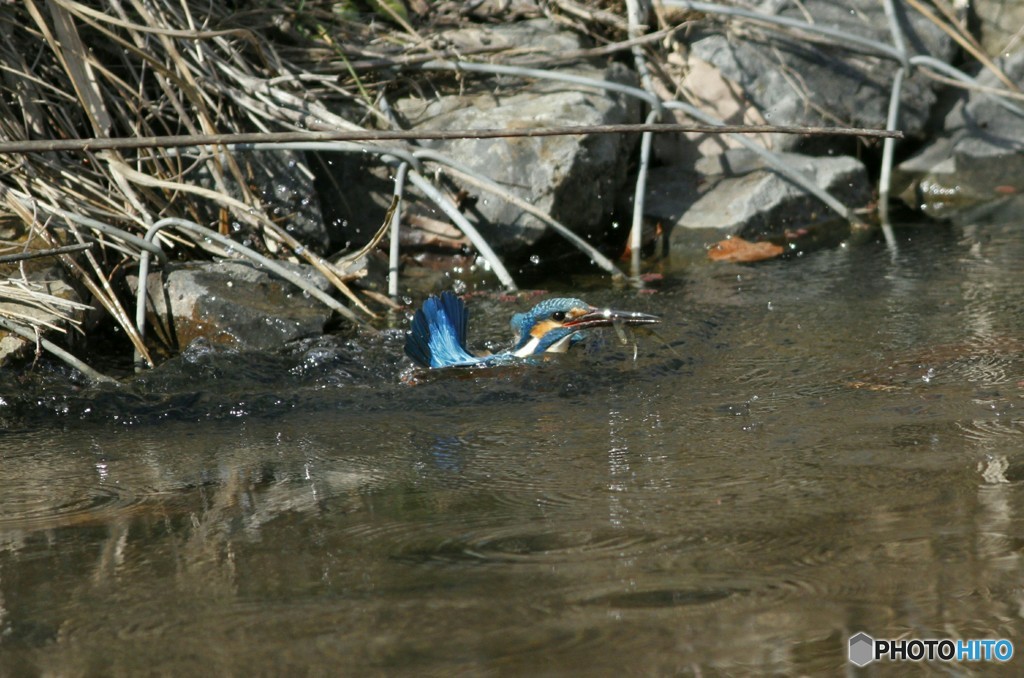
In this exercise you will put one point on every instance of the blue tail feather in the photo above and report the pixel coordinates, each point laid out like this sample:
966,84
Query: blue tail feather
417,341
437,336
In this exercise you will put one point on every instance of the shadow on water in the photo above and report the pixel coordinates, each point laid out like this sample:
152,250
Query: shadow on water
826,445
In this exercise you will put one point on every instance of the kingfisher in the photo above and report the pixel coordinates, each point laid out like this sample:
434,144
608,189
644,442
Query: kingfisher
437,336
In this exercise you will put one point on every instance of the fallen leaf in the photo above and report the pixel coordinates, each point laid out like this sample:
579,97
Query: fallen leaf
738,250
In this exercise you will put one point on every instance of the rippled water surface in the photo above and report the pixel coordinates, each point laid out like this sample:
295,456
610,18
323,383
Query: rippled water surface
820,446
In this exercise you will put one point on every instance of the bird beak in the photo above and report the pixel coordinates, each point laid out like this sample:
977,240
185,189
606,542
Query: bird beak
606,317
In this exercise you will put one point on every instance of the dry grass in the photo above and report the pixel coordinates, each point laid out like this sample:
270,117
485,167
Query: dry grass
133,69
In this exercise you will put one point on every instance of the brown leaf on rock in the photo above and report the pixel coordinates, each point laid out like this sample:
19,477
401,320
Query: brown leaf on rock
738,250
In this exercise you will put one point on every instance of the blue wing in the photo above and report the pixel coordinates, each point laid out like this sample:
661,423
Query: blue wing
437,336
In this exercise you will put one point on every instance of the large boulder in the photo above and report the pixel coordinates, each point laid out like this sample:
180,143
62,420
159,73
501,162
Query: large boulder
574,178
795,80
978,158
736,194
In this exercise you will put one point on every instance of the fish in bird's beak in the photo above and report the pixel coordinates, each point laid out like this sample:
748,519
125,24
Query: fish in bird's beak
606,317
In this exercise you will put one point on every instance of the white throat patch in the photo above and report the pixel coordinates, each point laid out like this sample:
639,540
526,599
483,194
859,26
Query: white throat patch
560,346
527,349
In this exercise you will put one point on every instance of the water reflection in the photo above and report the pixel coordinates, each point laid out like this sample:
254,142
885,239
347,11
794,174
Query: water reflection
837,449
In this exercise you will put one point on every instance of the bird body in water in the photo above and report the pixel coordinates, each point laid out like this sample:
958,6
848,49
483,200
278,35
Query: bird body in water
437,336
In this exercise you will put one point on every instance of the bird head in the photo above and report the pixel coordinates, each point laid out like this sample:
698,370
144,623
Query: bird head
553,325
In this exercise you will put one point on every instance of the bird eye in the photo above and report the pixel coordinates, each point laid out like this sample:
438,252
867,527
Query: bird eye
558,315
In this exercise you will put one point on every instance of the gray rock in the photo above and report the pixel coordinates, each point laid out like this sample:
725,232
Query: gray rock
233,304
487,10
794,81
735,194
979,157
575,179
999,23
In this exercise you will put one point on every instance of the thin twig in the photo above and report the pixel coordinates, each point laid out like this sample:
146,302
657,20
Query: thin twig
639,196
39,254
636,18
885,178
179,141
896,31
396,223
892,119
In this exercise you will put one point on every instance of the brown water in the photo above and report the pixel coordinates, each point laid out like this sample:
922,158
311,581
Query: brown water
827,445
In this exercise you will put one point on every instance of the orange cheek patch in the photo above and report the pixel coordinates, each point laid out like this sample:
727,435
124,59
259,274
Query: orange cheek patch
542,328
